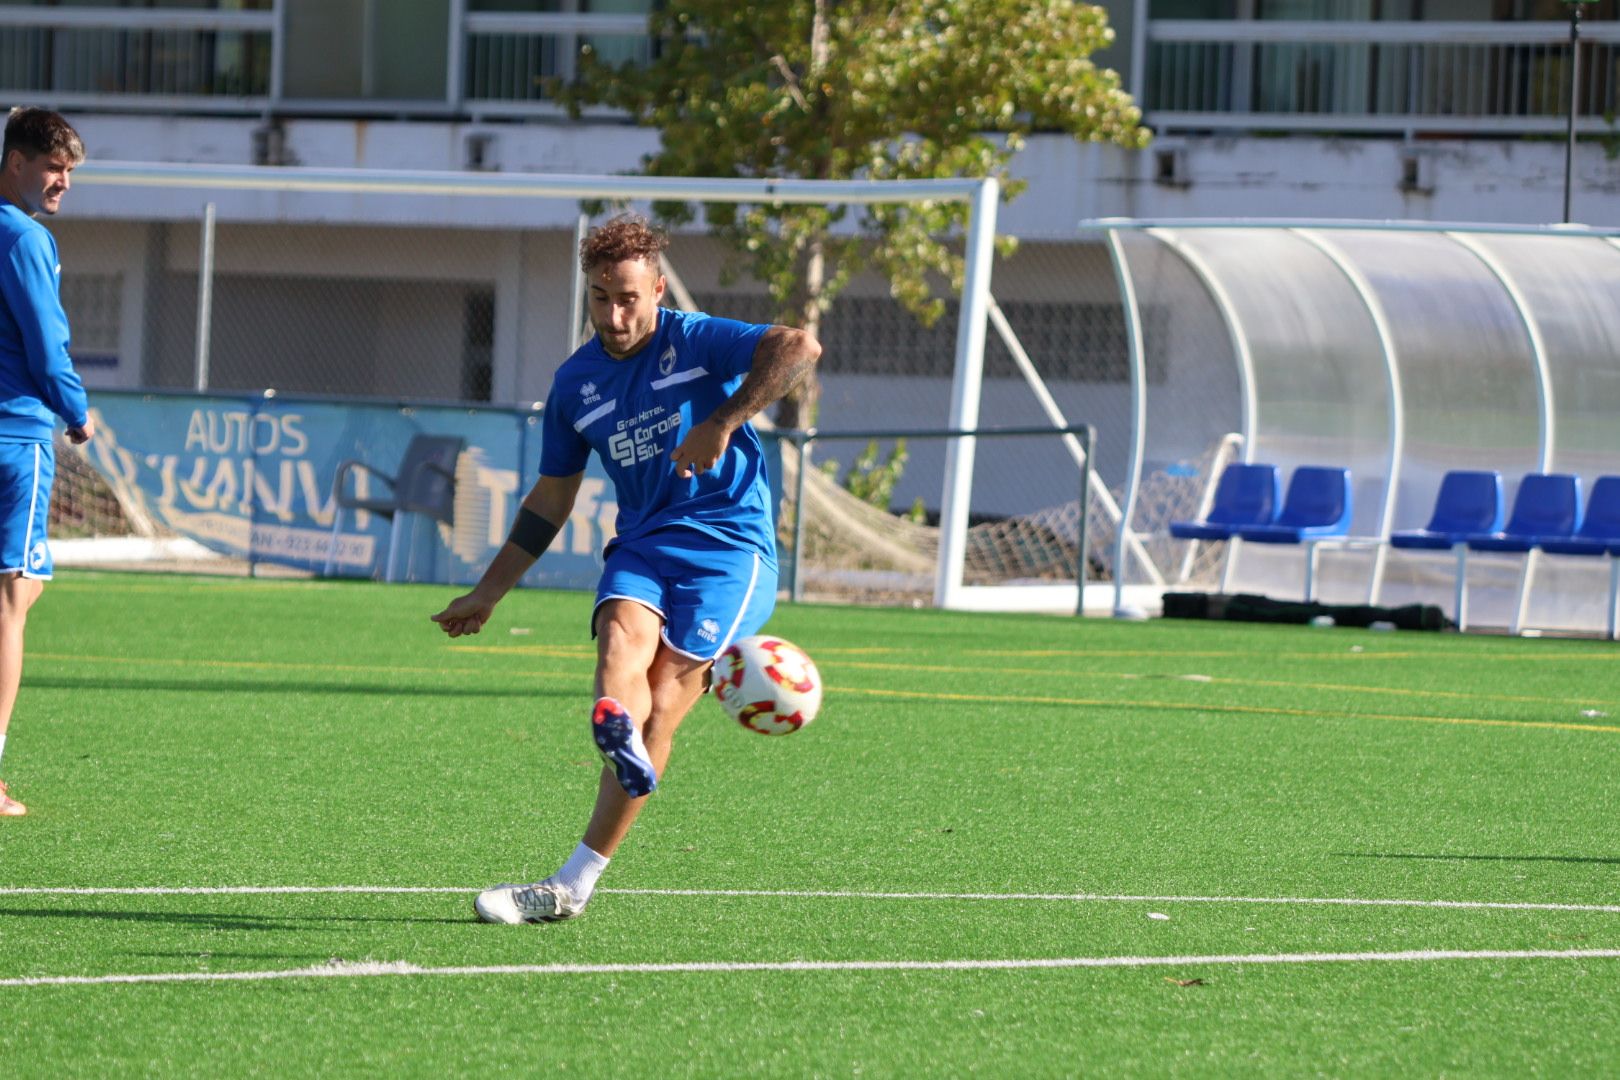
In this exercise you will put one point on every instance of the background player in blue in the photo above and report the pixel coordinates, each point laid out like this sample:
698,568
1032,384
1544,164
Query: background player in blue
663,397
37,380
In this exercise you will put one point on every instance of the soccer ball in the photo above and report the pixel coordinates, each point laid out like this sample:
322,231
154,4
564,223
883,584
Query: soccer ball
767,685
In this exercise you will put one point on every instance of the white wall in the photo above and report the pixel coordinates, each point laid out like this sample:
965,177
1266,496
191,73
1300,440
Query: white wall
1220,176
522,249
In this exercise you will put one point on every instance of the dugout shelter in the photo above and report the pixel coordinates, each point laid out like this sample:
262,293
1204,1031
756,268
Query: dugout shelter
1399,351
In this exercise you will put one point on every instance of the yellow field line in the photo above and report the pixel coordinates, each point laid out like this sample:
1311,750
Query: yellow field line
585,652
1221,681
1257,710
1606,656
102,588
1404,692
563,652
589,651
279,665
928,695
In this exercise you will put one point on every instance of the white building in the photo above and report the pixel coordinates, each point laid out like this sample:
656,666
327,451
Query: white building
1439,110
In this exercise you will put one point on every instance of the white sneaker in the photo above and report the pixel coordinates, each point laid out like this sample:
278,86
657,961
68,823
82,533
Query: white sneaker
545,901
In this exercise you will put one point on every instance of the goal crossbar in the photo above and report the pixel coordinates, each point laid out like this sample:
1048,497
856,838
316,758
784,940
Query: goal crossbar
523,185
981,195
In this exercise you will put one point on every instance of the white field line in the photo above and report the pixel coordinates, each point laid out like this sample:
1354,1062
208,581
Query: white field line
371,969
1121,898
229,890
823,894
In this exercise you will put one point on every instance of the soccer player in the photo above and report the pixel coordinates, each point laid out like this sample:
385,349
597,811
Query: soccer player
664,399
37,380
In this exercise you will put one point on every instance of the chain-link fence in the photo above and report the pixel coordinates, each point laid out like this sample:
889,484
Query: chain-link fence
476,314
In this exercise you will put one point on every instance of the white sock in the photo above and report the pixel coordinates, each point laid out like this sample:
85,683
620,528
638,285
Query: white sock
580,872
2,744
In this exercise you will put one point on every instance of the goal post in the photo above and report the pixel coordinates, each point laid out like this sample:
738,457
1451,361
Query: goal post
235,200
966,384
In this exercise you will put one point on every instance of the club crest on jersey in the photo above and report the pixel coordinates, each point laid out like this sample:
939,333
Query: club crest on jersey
666,362
588,394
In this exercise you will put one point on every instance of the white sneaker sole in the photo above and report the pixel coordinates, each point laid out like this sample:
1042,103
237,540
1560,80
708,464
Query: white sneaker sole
497,906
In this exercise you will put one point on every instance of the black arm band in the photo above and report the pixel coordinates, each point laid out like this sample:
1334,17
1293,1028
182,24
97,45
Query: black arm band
531,532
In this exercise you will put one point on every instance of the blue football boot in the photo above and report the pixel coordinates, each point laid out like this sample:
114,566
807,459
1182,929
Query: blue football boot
620,745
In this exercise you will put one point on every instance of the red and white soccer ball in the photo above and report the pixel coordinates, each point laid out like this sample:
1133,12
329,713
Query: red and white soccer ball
767,685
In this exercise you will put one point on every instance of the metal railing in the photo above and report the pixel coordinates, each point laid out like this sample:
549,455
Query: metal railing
508,59
802,438
146,58
1371,76
166,59
1328,76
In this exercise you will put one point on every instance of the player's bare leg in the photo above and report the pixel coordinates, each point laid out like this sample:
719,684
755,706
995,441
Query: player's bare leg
627,641
626,645
656,687
675,682
17,595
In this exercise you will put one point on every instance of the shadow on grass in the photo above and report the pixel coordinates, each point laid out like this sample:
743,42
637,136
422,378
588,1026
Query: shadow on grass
209,954
268,686
1600,860
219,920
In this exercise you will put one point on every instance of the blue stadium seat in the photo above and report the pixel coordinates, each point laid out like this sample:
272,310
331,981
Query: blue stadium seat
1246,495
1317,507
1599,534
1547,508
1469,503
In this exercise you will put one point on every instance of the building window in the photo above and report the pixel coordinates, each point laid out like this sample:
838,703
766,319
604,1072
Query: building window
94,306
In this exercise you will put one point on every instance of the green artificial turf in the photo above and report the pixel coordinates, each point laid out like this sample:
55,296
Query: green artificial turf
991,789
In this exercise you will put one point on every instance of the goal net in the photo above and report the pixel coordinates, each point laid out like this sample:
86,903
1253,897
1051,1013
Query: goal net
399,291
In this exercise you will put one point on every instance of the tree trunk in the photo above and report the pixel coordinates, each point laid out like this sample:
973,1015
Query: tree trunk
798,409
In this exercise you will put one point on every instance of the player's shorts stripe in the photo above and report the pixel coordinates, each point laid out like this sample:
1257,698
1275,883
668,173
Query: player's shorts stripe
595,414
679,377
33,496
33,520
742,608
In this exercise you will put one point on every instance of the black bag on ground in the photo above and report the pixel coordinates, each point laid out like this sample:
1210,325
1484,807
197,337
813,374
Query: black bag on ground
1252,607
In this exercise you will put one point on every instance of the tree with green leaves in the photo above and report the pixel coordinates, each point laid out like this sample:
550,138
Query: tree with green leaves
858,89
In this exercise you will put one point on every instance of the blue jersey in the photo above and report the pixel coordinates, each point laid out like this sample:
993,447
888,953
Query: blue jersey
634,412
37,380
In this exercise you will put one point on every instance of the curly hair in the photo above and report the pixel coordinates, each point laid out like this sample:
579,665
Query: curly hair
33,132
628,236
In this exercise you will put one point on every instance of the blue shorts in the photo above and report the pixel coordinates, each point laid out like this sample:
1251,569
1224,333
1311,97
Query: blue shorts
707,592
26,472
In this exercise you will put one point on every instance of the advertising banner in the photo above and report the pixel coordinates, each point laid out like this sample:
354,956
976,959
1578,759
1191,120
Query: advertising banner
252,477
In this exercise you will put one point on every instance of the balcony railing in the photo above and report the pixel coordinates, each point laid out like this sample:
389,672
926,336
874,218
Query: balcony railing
121,58
1353,76
1344,76
509,58
231,61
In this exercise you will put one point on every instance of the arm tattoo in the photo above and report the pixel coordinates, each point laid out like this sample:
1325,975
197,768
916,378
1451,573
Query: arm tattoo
778,368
